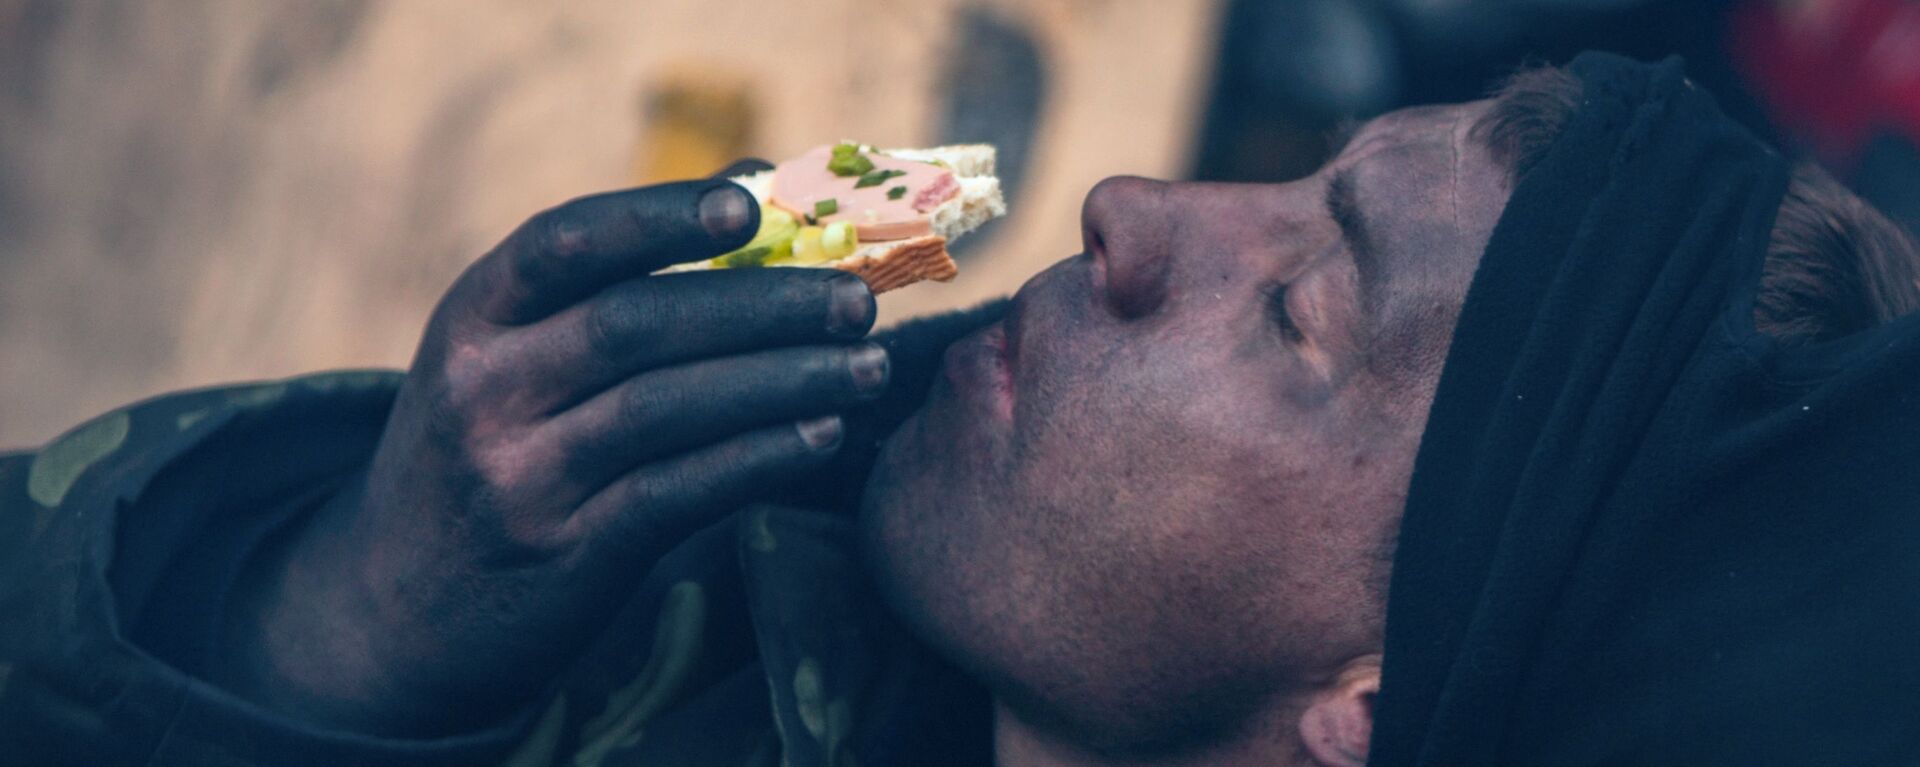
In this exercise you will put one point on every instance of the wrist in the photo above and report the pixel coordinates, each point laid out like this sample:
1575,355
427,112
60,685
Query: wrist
299,634
346,621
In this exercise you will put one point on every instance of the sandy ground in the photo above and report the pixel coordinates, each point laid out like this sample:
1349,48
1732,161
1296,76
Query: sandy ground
215,190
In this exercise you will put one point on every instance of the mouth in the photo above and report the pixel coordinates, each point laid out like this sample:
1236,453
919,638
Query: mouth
978,368
1009,340
983,368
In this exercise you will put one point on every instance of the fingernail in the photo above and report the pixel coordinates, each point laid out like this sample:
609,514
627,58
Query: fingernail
869,367
821,434
851,312
727,211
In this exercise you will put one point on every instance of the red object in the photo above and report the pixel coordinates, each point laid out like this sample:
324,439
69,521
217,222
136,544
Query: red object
1837,72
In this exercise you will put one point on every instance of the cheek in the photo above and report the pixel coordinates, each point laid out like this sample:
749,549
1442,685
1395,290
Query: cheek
1185,439
1219,510
1169,421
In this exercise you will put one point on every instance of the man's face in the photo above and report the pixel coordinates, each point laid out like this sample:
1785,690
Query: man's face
1165,487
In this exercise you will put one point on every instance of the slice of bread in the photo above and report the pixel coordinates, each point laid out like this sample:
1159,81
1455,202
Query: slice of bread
890,264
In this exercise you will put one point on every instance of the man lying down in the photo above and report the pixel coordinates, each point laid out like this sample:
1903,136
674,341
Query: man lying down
1572,426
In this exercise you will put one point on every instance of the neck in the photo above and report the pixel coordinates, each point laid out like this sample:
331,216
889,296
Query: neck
1271,740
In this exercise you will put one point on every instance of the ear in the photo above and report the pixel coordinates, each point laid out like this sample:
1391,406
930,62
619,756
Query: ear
1338,724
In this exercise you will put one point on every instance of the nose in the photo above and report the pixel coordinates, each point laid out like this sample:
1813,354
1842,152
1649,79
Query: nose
1126,227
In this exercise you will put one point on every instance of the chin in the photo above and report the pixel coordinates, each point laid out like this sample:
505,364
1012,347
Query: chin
955,553
935,488
901,520
929,552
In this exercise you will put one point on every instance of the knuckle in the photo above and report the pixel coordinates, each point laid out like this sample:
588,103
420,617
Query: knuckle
503,466
468,378
647,506
562,231
478,392
610,326
827,369
742,463
783,300
555,238
512,487
806,290
641,408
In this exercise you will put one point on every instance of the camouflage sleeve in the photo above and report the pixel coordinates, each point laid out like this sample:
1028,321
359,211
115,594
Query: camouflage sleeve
95,523
759,643
756,642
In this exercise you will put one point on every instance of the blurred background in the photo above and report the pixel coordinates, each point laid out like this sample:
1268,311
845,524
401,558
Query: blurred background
205,191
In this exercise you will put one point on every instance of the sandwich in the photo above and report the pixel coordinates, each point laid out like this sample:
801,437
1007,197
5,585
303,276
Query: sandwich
885,215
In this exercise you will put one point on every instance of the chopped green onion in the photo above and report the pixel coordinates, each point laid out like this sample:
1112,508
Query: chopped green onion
896,193
848,161
745,257
825,208
782,251
839,239
877,178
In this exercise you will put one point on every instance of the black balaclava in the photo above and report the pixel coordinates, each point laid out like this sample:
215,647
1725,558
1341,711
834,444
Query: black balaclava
1639,532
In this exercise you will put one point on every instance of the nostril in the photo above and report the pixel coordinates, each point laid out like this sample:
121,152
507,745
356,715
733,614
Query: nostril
1121,229
1096,249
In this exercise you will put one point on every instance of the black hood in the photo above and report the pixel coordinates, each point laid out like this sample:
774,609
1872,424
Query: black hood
1639,531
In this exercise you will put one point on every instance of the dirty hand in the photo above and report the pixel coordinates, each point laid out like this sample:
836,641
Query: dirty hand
567,420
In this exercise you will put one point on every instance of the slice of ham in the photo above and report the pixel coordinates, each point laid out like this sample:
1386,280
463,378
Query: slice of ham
802,182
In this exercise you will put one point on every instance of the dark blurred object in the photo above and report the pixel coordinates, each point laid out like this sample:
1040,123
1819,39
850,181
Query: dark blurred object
1836,72
995,84
1836,79
1842,78
1290,71
1480,27
1888,176
1325,59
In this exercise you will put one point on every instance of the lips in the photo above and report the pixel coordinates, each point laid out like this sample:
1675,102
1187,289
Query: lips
982,368
976,368
1001,338
1010,339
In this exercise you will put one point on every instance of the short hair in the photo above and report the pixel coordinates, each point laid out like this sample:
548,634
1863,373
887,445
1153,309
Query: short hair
1834,265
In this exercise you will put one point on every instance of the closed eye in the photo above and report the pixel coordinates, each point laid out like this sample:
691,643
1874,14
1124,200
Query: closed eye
1281,318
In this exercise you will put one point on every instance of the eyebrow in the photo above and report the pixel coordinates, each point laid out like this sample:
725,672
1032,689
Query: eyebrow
1343,206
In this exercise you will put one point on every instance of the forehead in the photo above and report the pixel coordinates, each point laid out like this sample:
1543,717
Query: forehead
1430,127
1428,188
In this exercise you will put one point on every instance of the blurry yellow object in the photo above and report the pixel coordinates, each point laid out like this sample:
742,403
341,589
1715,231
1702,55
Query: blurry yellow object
694,121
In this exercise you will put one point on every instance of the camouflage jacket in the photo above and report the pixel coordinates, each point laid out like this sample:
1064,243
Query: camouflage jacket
757,642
